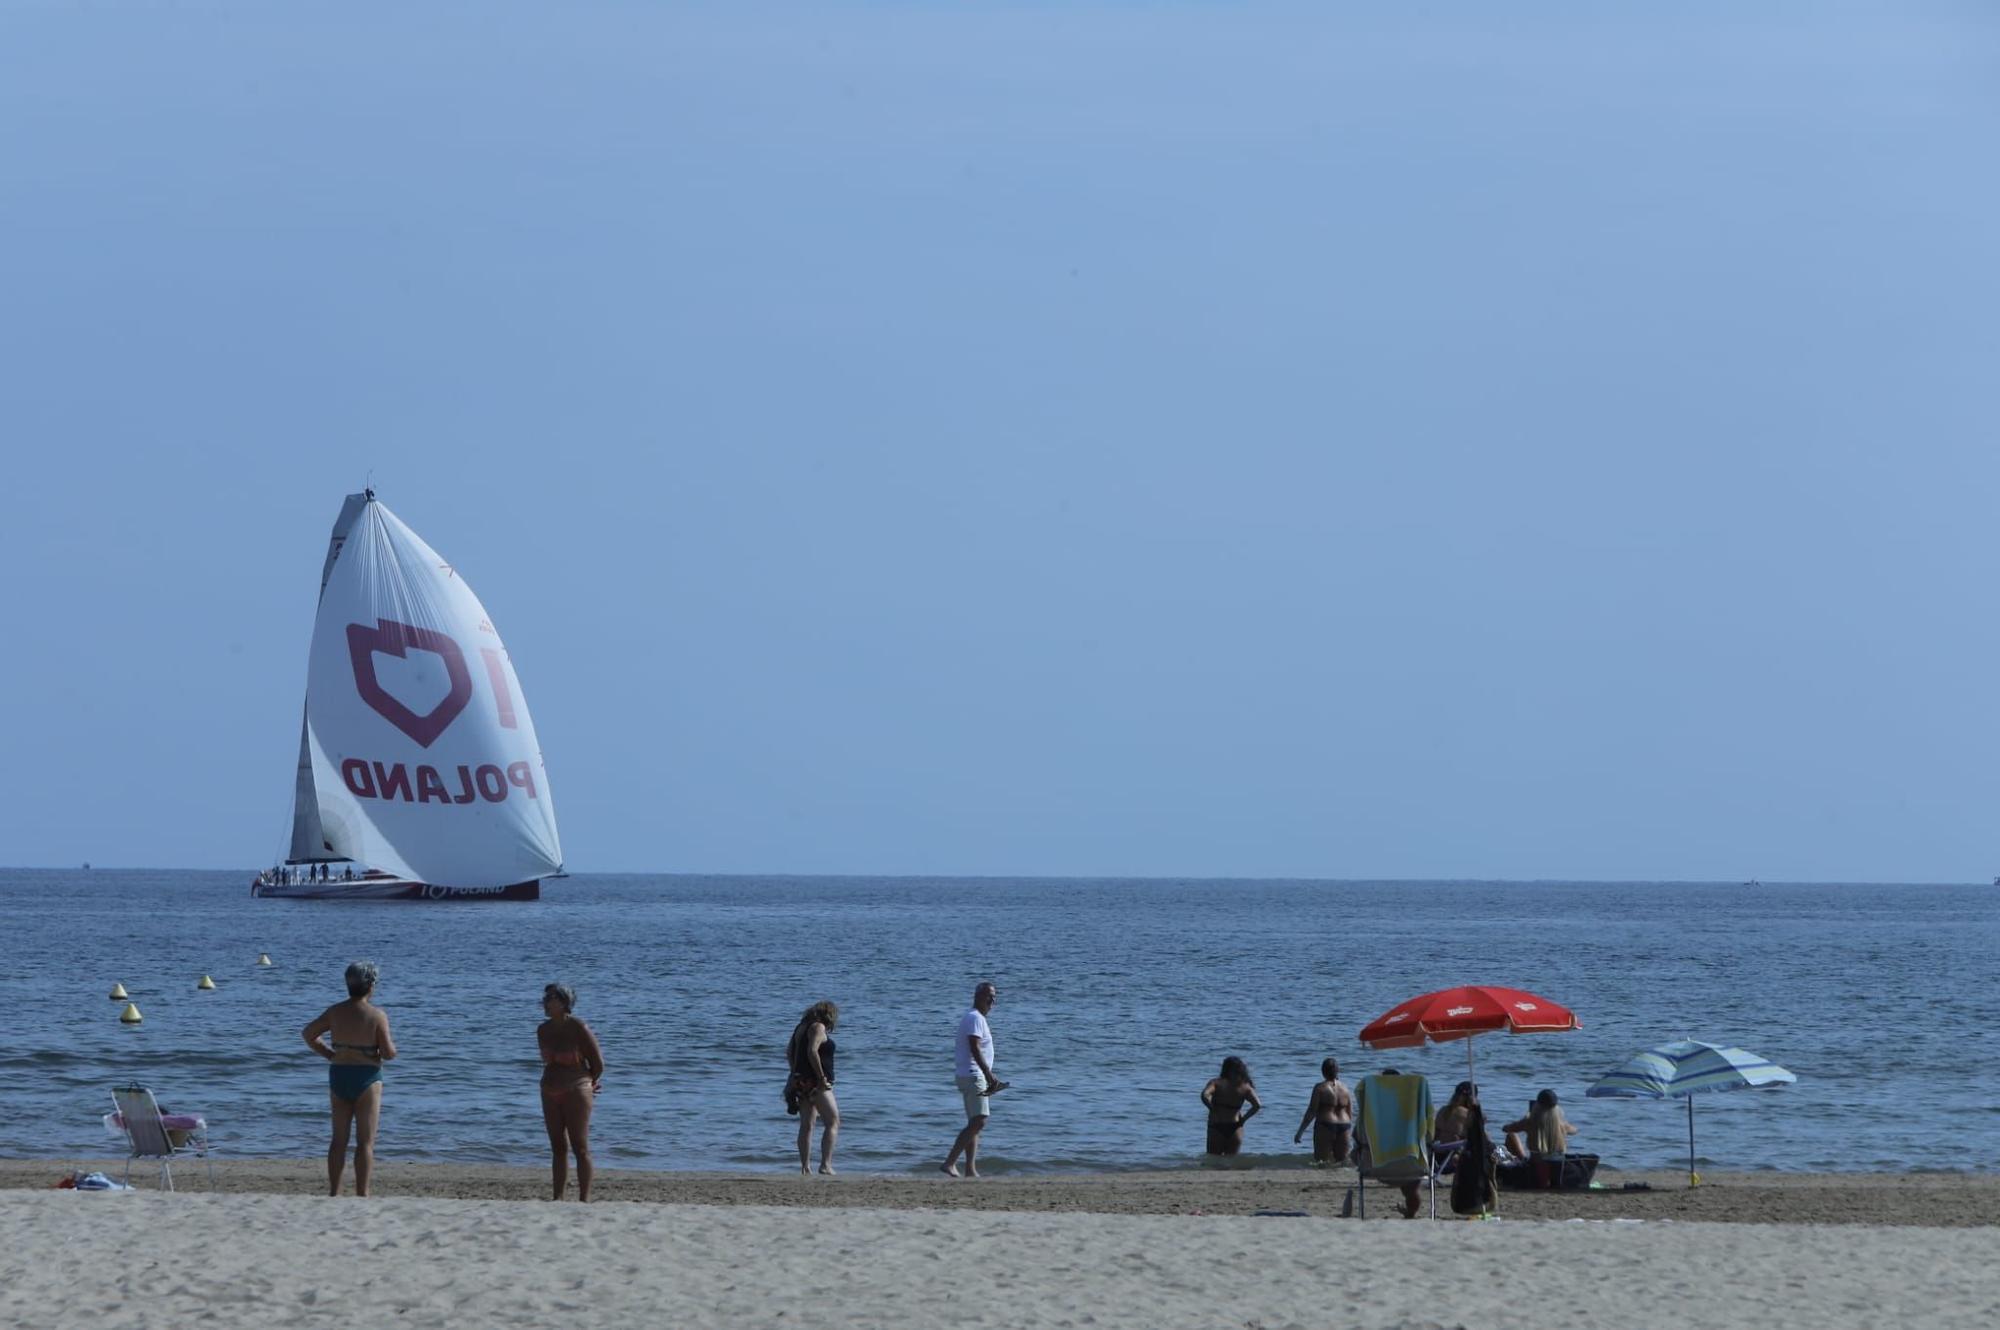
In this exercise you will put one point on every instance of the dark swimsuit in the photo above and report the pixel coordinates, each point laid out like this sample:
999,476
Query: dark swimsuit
348,1081
1329,1138
1225,1138
801,1086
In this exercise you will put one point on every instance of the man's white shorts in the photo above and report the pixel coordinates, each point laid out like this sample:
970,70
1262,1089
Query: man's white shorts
973,1089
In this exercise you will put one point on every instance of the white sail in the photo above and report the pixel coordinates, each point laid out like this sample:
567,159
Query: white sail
424,758
308,839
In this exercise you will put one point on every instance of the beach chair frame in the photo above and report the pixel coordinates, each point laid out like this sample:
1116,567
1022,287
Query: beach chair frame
146,1136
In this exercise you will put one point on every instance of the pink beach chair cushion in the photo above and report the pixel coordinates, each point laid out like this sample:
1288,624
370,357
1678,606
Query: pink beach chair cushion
115,1122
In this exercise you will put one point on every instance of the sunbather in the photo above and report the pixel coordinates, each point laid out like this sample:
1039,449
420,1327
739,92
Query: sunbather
1546,1129
1452,1118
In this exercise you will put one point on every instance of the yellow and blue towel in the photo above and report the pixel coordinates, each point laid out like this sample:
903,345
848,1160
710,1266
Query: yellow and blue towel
1396,1122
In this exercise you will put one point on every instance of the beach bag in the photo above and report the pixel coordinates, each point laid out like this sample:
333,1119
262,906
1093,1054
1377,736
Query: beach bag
1472,1184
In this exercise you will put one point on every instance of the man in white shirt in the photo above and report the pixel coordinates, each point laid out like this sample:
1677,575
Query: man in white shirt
973,1050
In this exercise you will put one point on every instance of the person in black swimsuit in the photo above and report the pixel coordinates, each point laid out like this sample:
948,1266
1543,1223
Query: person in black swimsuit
572,1074
1330,1114
810,1053
1223,1096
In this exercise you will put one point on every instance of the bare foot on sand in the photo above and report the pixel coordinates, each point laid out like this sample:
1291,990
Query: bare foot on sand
828,1171
949,1170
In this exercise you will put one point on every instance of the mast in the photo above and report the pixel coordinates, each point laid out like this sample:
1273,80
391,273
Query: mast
308,837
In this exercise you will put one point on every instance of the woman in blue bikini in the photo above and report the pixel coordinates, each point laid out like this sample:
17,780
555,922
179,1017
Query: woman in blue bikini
361,1044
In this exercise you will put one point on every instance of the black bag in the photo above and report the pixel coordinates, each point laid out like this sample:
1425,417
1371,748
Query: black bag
1472,1181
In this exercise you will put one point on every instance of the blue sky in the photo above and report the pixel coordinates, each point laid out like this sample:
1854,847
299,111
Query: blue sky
1321,440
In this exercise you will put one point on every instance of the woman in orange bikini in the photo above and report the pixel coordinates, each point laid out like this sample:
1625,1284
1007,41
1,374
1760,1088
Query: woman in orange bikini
572,1070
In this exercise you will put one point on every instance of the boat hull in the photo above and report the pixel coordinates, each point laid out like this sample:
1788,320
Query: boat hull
390,889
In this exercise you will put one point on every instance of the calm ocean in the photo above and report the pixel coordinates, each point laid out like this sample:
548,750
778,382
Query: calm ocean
1118,999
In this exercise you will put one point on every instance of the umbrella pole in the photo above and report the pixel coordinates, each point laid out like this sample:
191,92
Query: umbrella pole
1691,1173
1468,1060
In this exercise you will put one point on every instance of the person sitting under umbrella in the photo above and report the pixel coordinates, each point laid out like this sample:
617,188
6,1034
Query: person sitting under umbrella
1547,1130
1451,1119
1448,1132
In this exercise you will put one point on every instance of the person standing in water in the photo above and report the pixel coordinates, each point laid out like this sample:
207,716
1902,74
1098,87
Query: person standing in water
572,1074
360,1045
972,1051
1223,1096
810,1053
1330,1114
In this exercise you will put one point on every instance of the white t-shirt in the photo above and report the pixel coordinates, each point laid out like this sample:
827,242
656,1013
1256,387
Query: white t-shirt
973,1025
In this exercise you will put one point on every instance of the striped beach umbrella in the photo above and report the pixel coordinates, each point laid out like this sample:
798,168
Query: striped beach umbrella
1683,1069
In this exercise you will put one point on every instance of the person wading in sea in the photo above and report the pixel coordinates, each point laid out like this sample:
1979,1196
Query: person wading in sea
1231,1089
1330,1114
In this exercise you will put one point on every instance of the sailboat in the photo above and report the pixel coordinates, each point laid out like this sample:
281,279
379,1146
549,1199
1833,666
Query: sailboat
419,775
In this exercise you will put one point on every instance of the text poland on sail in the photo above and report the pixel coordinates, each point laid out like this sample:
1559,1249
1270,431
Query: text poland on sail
424,756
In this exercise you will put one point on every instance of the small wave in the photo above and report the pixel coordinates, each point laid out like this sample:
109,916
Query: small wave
44,1058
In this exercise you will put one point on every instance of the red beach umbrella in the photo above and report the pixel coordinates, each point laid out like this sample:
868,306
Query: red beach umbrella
1465,1011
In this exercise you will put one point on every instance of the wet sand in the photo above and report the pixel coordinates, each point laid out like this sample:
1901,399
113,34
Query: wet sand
1926,1200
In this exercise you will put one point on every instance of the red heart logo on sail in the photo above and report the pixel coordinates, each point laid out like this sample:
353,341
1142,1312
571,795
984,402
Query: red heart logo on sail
394,639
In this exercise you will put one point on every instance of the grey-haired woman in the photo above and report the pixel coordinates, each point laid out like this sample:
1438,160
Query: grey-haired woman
572,1073
361,1044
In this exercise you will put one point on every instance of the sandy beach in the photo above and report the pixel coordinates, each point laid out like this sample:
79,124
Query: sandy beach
251,1259
452,1244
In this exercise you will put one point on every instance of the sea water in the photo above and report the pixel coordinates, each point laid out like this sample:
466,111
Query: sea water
1118,1000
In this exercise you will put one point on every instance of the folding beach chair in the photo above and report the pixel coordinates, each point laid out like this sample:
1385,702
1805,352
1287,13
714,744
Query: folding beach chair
1393,1134
149,1134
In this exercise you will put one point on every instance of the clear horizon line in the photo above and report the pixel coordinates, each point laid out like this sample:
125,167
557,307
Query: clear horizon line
1106,877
